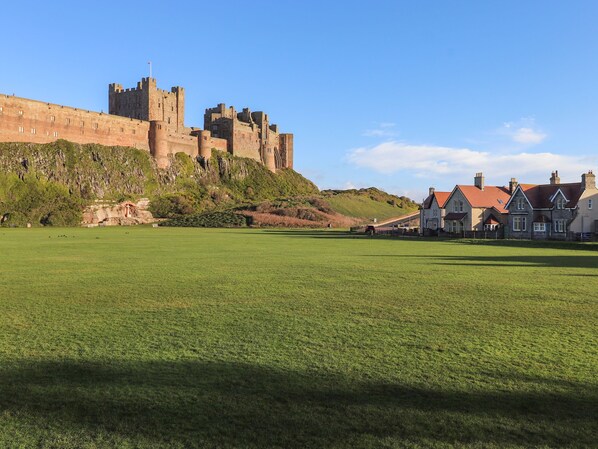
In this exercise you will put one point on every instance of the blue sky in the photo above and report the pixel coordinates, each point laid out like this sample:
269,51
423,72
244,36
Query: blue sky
401,95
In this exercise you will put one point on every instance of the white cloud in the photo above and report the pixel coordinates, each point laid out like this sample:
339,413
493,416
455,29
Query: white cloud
528,136
431,161
384,129
524,131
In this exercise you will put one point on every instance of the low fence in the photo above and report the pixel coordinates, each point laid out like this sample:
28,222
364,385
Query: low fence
493,235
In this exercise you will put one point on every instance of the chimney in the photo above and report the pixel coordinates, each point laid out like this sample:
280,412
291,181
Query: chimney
513,185
431,191
588,181
554,179
478,181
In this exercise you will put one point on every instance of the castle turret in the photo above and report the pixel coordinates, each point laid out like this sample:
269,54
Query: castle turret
270,159
205,144
158,143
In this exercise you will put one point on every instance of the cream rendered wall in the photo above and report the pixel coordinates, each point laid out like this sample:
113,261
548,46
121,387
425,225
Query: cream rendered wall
586,218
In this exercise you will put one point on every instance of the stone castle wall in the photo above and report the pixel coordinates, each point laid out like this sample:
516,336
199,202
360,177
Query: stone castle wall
150,119
23,120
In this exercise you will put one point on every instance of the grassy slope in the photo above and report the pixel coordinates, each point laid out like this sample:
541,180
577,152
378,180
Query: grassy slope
259,339
368,203
92,172
364,207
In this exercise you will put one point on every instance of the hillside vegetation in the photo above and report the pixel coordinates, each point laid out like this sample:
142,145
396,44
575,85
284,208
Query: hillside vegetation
368,203
51,183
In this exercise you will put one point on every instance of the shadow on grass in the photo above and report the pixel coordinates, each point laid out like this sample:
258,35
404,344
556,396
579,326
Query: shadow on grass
197,404
505,261
337,233
523,261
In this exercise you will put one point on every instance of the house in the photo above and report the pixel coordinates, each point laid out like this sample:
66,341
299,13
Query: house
432,212
586,219
476,207
550,211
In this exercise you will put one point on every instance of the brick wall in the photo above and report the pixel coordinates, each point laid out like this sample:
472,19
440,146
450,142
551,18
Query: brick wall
23,120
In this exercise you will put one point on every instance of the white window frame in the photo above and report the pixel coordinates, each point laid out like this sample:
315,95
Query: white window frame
539,227
519,224
559,226
560,203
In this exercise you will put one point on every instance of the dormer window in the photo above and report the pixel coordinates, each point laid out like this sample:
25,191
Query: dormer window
560,202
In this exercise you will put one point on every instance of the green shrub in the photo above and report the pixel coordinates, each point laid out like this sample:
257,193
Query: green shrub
208,220
173,205
28,199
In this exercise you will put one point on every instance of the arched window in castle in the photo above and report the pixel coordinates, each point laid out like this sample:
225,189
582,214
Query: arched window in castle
95,126
21,113
52,118
33,131
21,129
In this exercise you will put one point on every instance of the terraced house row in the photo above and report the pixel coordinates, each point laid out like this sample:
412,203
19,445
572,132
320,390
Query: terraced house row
520,211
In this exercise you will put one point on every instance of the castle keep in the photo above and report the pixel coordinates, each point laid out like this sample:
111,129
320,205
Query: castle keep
150,119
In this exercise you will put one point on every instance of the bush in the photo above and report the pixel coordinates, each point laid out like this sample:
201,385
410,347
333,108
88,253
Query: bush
208,220
37,201
173,205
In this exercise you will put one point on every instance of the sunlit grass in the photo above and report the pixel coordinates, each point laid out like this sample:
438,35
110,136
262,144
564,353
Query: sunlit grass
147,338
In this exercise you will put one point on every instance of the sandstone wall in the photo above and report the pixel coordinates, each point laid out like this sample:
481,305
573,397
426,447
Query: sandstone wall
23,120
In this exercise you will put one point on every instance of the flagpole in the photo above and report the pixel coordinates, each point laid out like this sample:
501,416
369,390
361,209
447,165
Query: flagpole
150,67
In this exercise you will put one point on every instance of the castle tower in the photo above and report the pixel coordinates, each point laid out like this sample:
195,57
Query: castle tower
205,144
270,160
158,143
147,102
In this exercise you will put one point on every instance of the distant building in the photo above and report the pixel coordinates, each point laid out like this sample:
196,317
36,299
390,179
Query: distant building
476,207
554,210
432,212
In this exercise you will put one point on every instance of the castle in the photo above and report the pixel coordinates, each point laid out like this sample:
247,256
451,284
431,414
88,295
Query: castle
150,119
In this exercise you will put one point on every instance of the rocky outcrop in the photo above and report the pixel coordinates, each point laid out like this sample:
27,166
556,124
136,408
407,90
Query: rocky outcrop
121,214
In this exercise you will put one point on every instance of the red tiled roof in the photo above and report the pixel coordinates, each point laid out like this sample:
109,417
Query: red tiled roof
441,198
539,195
491,196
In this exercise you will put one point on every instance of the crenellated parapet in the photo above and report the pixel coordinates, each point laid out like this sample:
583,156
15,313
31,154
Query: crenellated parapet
151,119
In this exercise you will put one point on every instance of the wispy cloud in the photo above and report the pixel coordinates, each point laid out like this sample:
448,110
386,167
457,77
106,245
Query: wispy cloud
384,129
524,131
431,161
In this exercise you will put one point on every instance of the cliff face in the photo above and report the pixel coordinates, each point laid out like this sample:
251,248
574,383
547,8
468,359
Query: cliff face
74,175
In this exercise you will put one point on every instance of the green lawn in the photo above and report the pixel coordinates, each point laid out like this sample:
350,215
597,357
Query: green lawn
362,206
164,337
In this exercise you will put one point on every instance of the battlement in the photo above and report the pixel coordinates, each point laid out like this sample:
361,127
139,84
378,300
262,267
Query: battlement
249,134
152,119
